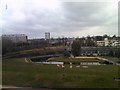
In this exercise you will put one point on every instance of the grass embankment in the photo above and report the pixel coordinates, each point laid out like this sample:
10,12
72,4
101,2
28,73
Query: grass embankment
63,59
36,52
114,59
19,73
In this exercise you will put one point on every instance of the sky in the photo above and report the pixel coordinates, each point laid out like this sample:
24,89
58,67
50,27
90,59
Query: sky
61,18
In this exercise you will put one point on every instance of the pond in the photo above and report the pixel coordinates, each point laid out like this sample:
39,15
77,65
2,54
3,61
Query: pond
80,63
50,62
43,60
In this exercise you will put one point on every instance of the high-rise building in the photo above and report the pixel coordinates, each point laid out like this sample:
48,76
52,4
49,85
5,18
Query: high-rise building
47,36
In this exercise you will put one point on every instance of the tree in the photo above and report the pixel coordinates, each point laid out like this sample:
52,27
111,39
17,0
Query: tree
76,48
66,53
99,38
7,45
111,53
117,53
114,36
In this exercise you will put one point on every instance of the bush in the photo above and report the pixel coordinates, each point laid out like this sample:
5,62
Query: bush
66,54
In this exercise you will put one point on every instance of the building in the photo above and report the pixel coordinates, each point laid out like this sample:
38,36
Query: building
16,38
115,43
108,42
47,36
97,51
100,43
105,42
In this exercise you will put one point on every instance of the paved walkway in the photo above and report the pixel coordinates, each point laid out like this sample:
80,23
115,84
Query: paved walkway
104,59
7,87
85,57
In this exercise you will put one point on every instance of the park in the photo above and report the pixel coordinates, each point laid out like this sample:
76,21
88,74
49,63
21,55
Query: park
19,73
25,68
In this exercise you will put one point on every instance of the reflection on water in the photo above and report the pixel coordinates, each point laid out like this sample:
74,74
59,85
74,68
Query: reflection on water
50,62
82,63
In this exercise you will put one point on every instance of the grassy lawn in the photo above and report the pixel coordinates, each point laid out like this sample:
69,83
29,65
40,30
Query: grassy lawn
19,73
115,59
63,59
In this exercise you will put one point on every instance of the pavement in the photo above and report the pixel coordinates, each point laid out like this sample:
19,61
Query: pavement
85,57
6,87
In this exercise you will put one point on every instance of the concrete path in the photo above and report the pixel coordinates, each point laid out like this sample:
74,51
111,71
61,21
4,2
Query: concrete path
104,59
7,87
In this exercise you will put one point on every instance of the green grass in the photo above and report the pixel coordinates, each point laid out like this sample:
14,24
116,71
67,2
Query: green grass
17,72
63,59
114,59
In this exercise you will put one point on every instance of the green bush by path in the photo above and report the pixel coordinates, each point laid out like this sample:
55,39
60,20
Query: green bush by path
19,73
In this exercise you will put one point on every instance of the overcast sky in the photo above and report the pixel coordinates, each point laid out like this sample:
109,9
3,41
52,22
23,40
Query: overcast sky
60,18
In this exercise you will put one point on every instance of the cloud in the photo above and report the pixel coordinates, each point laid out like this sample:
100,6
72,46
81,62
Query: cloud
69,19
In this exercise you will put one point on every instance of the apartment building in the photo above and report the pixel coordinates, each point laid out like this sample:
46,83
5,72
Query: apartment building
108,42
16,38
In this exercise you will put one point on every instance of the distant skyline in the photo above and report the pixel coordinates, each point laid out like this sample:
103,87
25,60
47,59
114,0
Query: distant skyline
60,18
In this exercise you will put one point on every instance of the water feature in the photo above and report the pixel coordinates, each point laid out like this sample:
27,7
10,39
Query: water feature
43,60
50,62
